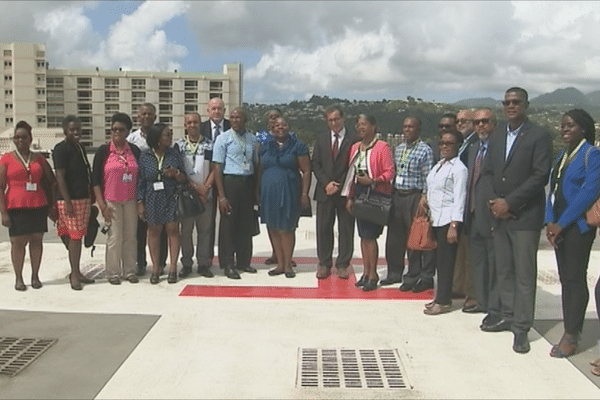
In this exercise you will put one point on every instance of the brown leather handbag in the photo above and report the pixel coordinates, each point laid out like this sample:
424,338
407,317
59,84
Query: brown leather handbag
420,237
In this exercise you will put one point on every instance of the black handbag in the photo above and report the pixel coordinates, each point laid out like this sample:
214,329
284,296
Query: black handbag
373,207
188,203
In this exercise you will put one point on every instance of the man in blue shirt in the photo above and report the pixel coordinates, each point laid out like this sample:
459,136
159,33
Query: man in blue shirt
235,155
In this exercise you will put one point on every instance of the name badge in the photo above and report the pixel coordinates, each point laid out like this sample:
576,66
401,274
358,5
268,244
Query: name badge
552,199
31,187
399,180
246,166
159,186
127,177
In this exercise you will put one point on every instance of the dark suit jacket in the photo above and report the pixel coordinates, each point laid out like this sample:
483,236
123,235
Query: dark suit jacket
206,131
464,156
479,192
324,168
520,180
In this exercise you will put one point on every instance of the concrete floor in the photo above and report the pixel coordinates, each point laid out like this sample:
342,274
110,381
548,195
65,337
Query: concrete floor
204,347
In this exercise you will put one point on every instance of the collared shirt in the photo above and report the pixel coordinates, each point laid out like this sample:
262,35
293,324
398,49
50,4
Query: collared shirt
120,174
196,160
413,163
139,139
264,136
212,129
465,144
341,135
511,136
446,191
236,152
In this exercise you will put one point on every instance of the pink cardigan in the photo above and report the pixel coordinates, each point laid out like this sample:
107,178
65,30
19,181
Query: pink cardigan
380,167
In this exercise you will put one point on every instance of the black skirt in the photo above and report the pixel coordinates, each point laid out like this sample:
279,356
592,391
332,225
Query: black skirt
26,221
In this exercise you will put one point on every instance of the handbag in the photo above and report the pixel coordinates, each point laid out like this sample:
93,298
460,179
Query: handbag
188,203
372,207
420,236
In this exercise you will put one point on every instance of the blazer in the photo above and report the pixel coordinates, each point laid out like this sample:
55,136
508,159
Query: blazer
323,166
580,187
464,156
380,165
480,193
520,179
206,130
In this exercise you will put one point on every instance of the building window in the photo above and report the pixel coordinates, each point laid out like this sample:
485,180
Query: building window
54,122
40,64
41,92
107,133
111,108
8,92
191,108
7,64
165,109
138,97
107,122
216,85
8,106
9,120
7,53
111,96
7,78
41,106
165,84
54,82
138,84
84,95
134,110
190,85
84,83
84,108
41,79
41,54
165,97
86,121
41,119
111,83
56,95
218,95
166,120
56,108
191,97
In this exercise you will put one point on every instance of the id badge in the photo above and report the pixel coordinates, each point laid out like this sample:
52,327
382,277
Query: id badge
127,177
552,198
399,180
31,187
159,186
246,166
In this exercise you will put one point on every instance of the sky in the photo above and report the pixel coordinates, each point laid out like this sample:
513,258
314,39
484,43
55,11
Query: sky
365,50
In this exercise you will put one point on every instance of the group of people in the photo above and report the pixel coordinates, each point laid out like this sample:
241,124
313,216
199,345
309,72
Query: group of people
480,184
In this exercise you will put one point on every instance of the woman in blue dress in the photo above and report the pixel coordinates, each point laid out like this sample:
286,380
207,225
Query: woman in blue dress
159,171
284,182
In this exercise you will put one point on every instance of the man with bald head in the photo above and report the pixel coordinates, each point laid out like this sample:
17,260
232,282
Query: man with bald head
414,160
464,124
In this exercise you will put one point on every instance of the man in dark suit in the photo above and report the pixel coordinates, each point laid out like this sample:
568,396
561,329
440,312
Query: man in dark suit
517,168
210,129
478,223
330,165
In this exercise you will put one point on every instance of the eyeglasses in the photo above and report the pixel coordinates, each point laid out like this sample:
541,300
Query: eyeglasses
484,121
447,144
464,120
507,103
445,126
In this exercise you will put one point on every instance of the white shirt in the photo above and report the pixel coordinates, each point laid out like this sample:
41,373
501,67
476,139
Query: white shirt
446,191
137,138
511,136
212,129
341,135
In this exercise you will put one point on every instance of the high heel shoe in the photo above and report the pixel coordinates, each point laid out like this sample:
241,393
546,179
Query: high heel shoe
572,340
361,282
154,278
370,285
36,284
172,277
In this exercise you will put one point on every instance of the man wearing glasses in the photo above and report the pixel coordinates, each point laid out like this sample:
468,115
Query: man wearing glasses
517,168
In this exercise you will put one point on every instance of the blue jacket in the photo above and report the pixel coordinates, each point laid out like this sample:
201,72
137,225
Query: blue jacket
580,187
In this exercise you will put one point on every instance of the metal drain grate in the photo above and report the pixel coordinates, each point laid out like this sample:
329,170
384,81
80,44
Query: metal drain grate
350,369
18,353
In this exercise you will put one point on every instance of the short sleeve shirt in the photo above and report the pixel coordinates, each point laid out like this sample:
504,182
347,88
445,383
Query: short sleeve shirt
70,157
17,196
236,152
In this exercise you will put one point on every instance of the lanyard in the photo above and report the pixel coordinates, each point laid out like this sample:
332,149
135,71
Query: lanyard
122,156
26,164
242,145
406,153
160,162
564,160
193,148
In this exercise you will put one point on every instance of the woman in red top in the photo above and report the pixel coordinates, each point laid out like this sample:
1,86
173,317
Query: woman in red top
24,202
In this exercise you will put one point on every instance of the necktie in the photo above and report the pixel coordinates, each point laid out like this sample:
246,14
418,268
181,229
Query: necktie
476,173
335,148
217,131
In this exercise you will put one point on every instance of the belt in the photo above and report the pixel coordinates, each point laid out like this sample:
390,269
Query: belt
245,177
401,192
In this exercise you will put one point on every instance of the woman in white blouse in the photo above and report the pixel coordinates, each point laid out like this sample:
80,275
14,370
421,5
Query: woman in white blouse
446,193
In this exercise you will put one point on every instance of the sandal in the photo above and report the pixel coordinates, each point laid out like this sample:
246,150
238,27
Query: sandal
114,280
596,362
571,340
596,371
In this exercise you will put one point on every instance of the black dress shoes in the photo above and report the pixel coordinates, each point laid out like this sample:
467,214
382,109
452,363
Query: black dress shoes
521,343
422,286
247,268
205,272
390,280
361,281
501,325
405,287
370,285
474,309
231,273
185,271
140,271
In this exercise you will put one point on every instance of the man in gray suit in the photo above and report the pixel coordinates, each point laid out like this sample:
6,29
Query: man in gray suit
478,223
517,167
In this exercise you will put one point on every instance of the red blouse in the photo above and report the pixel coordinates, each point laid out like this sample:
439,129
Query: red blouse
17,196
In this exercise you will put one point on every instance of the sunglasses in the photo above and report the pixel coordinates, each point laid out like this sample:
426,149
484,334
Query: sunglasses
484,121
511,102
447,144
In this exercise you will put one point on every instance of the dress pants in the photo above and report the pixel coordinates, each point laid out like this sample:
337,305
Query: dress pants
483,267
572,258
326,214
142,237
444,262
121,241
463,274
421,264
235,229
516,268
204,224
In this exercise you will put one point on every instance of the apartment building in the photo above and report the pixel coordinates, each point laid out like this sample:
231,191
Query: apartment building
42,96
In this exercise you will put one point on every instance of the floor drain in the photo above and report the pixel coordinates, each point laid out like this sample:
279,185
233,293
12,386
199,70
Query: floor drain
18,353
350,369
